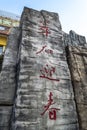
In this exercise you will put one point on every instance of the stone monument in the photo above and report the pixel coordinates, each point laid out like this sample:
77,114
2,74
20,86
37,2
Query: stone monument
43,80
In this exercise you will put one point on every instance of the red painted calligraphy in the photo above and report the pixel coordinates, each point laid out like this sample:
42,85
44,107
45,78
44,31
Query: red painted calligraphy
52,111
45,30
47,73
41,49
46,50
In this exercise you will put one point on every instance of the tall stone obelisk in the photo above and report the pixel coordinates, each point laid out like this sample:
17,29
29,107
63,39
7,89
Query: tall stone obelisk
45,99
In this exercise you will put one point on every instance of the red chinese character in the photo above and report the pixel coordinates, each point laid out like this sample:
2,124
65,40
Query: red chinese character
52,111
45,30
46,50
47,73
41,49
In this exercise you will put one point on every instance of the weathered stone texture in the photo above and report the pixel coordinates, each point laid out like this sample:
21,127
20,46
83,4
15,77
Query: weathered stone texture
74,39
33,91
5,114
8,73
8,80
77,57
30,54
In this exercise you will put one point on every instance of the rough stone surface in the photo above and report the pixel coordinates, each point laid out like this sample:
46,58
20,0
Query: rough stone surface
77,57
36,66
5,117
74,39
8,80
33,91
8,73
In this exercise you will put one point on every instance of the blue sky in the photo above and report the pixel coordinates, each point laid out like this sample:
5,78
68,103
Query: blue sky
72,13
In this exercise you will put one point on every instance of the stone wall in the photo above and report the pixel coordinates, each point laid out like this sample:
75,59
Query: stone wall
73,39
8,80
37,90
76,49
43,73
78,65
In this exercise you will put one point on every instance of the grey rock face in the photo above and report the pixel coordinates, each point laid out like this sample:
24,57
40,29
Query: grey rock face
74,39
43,74
5,116
8,73
8,80
78,65
36,91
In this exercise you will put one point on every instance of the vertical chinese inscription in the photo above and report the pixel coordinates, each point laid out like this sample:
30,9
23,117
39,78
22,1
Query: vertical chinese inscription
48,72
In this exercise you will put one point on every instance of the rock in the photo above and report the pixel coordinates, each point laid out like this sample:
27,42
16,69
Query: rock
8,80
43,76
77,58
74,39
9,69
5,117
43,72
